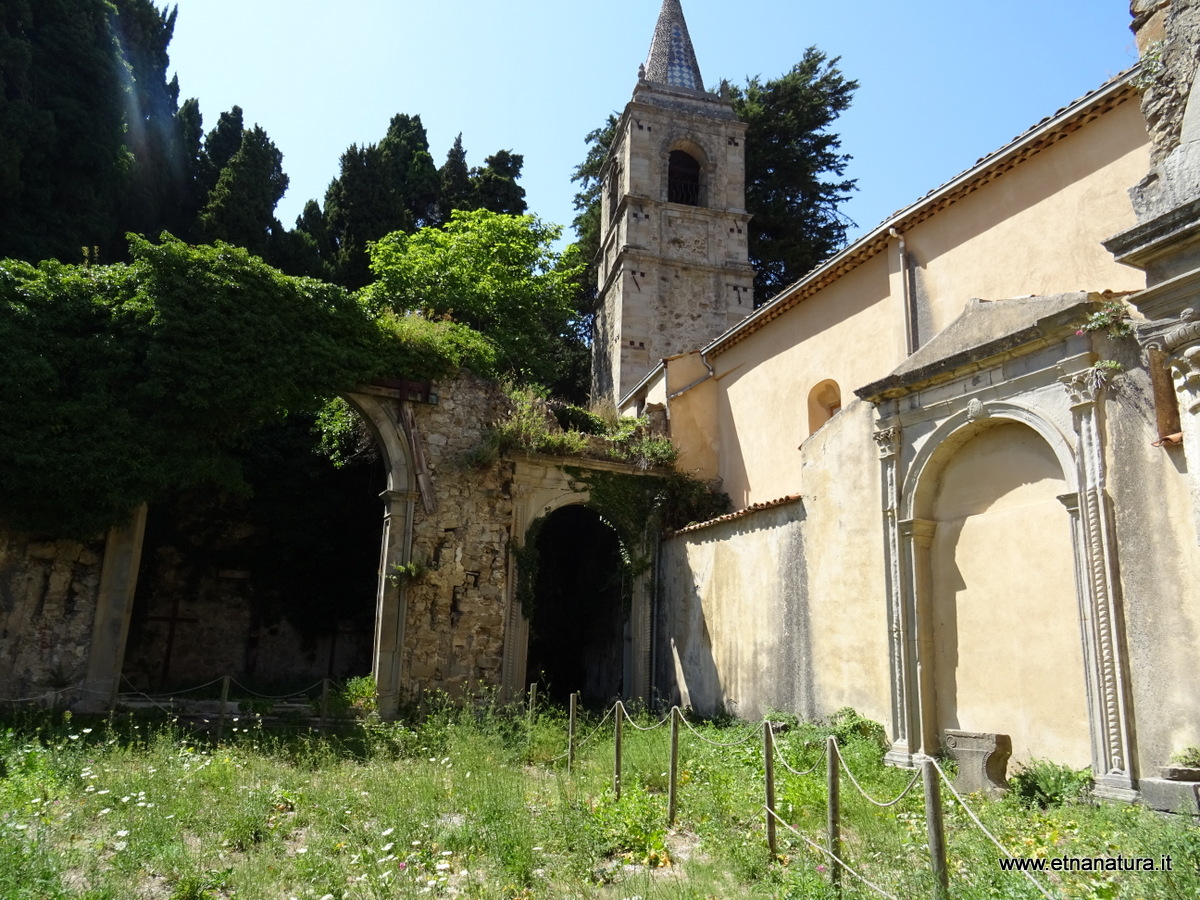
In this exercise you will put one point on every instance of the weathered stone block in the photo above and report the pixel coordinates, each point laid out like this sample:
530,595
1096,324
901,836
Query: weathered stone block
982,759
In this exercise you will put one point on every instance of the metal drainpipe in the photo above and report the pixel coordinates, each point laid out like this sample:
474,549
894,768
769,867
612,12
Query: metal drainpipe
700,380
910,312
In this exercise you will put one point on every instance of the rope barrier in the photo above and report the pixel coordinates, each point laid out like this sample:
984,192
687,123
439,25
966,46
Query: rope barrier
841,862
983,828
869,798
595,731
628,719
809,771
153,702
301,693
198,687
754,732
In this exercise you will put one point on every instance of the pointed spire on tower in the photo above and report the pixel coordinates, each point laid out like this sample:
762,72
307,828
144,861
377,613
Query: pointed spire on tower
672,59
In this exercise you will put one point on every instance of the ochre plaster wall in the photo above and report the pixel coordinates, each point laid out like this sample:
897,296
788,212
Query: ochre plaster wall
1159,555
783,608
1037,228
851,332
1034,230
1008,649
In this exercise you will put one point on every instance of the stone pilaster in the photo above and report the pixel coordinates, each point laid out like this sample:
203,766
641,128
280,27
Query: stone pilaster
1182,344
1100,605
390,607
904,722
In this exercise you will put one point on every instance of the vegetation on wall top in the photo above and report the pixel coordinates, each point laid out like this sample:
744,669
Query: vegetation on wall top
123,383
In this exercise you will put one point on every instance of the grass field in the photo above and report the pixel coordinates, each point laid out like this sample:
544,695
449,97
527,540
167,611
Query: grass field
473,803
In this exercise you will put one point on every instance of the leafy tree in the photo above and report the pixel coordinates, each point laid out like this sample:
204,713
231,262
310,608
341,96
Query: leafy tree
384,187
497,274
495,185
63,162
587,207
793,173
162,139
794,169
455,182
241,208
220,145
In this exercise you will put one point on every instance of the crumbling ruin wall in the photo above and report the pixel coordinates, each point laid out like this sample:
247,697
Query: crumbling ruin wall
456,598
1168,40
48,595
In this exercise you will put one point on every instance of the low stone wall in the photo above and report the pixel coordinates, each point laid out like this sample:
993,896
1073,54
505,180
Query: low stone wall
48,594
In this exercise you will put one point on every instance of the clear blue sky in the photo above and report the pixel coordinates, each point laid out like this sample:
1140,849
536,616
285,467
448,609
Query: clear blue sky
943,82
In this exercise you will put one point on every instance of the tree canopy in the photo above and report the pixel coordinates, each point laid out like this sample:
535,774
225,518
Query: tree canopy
393,186
495,273
794,173
794,170
94,142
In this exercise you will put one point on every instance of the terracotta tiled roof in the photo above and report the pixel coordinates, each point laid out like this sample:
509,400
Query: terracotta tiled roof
740,514
1048,131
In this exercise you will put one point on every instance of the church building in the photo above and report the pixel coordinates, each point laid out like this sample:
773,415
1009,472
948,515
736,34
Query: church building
961,450
963,455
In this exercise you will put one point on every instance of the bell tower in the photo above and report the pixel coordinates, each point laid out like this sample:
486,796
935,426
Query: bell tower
673,272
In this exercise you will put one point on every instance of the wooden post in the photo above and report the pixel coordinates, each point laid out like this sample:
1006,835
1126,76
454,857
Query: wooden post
324,702
937,837
619,712
114,698
834,818
673,788
532,698
221,711
769,768
574,704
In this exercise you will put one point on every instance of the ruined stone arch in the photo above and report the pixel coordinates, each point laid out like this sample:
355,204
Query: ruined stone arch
540,489
383,418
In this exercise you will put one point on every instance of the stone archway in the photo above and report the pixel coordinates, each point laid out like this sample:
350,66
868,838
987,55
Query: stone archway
384,418
541,487
578,625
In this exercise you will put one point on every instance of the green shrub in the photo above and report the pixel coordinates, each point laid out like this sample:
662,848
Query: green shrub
1045,784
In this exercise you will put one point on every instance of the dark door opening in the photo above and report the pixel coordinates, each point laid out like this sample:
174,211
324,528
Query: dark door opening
578,623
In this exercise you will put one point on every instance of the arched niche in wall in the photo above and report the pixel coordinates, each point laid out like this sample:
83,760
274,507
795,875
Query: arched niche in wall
1003,621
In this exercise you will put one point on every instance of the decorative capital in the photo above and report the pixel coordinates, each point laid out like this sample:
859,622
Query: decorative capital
1185,333
1081,386
888,440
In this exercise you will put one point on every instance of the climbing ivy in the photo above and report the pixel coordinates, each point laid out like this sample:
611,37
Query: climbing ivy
639,506
126,384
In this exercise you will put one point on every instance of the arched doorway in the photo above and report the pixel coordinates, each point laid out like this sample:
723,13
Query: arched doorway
578,626
1004,621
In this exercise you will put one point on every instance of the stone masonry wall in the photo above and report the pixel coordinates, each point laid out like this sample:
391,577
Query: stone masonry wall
1168,40
48,593
454,633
